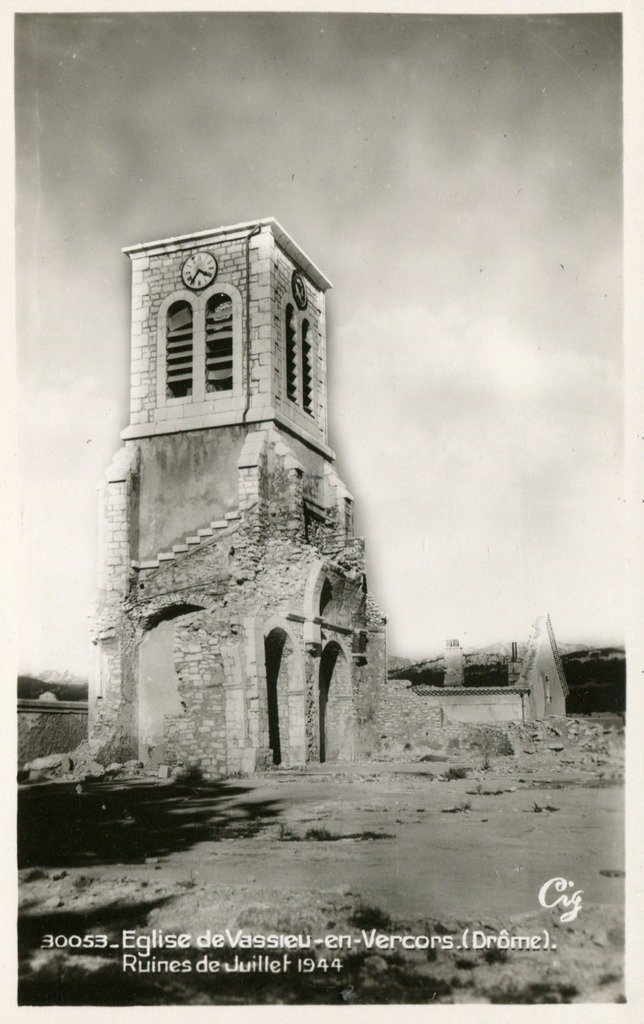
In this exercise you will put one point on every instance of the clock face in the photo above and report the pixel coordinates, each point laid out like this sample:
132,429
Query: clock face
199,270
298,289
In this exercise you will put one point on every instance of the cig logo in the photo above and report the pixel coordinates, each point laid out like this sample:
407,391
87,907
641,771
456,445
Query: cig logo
556,892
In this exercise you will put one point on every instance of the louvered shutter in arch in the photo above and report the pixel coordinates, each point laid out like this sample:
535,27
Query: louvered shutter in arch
290,324
179,350
219,343
307,369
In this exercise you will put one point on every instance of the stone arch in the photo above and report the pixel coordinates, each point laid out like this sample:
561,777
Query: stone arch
167,612
284,694
328,596
311,602
335,704
313,588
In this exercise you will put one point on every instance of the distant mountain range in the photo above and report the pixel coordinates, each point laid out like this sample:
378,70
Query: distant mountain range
596,676
64,685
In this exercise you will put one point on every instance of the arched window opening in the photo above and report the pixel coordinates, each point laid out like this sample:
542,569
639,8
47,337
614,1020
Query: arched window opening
307,369
179,350
291,353
219,343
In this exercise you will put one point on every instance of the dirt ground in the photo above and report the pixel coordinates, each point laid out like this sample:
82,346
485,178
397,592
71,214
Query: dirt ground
402,847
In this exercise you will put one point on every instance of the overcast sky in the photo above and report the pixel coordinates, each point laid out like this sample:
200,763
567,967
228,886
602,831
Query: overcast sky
458,179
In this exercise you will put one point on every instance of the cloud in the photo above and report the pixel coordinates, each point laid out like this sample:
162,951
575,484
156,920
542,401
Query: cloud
69,432
490,466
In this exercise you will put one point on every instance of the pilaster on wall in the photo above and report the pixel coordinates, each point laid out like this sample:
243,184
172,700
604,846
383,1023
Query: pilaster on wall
113,714
240,756
118,525
259,372
342,501
252,470
257,756
287,485
109,703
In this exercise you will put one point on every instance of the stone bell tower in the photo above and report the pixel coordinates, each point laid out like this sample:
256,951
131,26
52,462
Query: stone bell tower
225,465
228,333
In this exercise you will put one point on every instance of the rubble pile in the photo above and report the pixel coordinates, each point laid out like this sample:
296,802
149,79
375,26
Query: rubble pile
581,742
588,743
80,764
591,744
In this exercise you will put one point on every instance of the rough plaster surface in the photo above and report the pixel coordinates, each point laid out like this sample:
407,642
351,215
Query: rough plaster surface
41,733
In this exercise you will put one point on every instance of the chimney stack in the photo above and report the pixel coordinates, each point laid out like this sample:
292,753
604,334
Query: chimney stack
514,665
453,664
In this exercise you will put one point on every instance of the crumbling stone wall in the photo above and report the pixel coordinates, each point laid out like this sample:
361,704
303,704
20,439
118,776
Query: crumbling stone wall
45,731
370,689
227,596
408,714
197,738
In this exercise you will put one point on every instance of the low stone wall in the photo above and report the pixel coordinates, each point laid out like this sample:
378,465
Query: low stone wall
54,727
411,714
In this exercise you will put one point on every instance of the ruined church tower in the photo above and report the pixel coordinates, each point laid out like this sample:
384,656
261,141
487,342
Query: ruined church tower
233,628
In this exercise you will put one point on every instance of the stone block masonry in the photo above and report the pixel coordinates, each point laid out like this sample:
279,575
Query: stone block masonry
413,714
49,728
247,682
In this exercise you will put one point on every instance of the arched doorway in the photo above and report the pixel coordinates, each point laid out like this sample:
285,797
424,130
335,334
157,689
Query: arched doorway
284,698
335,705
158,689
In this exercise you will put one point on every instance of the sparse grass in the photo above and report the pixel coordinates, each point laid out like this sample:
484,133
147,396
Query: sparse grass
465,963
285,835
82,882
236,830
493,955
455,773
479,791
486,763
609,978
371,917
458,808
191,774
35,874
322,835
535,992
189,883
